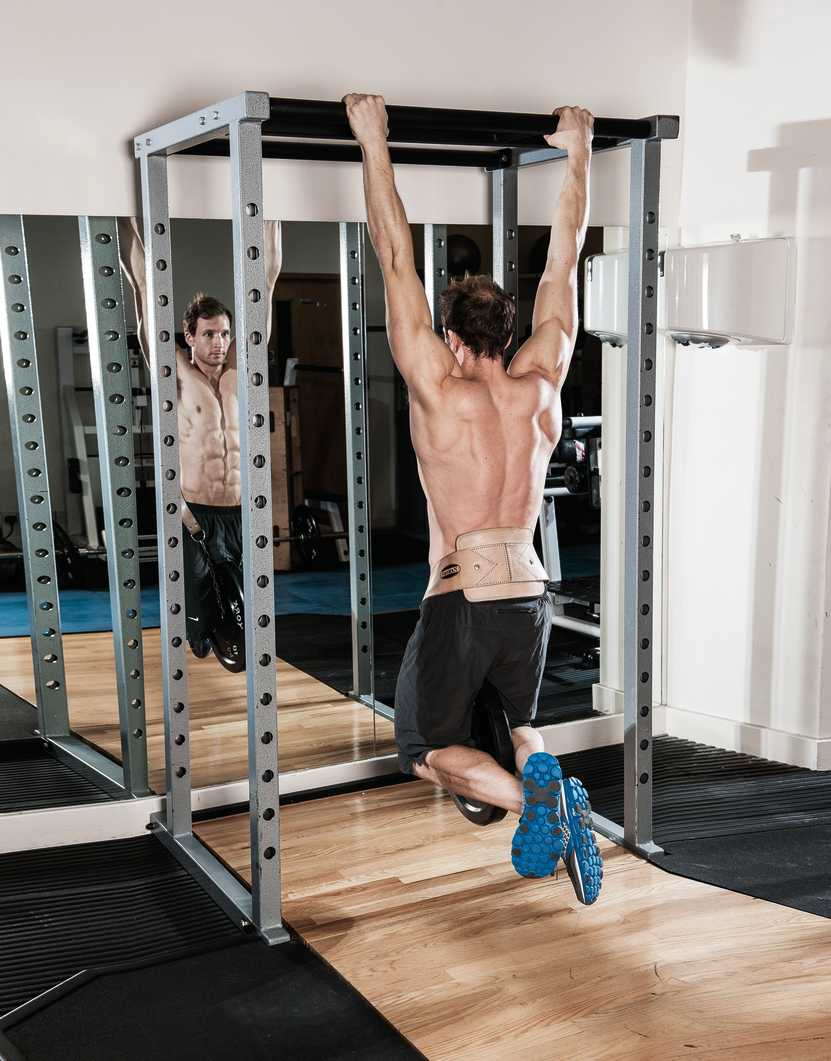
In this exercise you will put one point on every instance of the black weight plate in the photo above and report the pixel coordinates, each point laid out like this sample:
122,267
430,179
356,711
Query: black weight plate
304,527
492,734
228,635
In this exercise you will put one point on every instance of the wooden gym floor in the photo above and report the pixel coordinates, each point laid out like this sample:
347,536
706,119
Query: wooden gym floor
423,913
317,725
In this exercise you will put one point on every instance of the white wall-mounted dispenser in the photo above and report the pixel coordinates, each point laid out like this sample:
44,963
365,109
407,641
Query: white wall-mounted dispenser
604,297
738,292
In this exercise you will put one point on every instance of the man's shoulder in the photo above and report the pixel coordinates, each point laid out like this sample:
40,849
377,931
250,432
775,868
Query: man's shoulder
533,375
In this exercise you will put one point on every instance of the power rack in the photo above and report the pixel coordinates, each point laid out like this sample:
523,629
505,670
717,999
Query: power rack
248,128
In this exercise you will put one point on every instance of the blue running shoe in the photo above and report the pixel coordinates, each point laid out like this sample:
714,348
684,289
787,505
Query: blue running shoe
538,841
582,858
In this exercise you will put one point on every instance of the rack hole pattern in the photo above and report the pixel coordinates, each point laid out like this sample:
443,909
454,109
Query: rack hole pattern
110,369
161,323
355,396
639,640
29,454
257,529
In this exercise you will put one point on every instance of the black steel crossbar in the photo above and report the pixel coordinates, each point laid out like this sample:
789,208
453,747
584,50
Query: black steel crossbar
500,135
438,125
310,151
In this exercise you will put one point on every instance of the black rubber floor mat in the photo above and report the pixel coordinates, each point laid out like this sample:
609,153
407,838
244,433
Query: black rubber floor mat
748,824
66,909
789,866
32,777
701,791
18,718
243,1003
321,645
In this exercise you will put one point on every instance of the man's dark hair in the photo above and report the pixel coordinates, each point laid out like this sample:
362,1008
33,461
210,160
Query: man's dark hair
202,305
480,313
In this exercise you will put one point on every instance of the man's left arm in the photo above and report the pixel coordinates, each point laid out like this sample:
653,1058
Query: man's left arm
273,257
421,357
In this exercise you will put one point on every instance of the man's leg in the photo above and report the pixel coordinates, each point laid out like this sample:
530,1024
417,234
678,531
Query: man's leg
433,704
477,775
537,844
471,773
526,741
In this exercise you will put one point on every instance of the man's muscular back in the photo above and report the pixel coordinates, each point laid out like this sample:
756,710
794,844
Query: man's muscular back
483,448
208,435
482,435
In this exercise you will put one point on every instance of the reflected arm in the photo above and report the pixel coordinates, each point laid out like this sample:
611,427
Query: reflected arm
273,234
273,254
131,255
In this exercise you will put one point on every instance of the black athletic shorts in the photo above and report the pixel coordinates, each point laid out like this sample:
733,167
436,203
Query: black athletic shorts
222,526
456,646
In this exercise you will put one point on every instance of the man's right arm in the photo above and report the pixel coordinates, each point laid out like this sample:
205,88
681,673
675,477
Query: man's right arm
131,252
554,324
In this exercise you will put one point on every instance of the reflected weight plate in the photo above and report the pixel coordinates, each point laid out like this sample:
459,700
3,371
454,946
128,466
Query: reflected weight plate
306,532
228,635
491,733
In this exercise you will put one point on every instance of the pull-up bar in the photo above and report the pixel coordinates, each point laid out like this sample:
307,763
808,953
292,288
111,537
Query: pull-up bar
438,125
301,124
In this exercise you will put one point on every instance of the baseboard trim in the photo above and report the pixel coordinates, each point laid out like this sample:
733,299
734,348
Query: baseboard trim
792,748
606,700
117,819
609,701
596,732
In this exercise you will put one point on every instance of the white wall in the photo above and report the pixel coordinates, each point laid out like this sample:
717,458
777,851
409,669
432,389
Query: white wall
748,593
78,83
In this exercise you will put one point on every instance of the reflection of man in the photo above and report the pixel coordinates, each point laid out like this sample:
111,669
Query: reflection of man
483,435
209,449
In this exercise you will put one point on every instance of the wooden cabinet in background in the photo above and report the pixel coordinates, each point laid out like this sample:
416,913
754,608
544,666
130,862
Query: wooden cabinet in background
307,312
286,468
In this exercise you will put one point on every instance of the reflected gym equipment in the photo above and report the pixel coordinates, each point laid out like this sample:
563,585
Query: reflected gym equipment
463,256
307,535
227,635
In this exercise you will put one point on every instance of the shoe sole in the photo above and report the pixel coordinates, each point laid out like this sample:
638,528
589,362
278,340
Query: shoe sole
582,859
538,842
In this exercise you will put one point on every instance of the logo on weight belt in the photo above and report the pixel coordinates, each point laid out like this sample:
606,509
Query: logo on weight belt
450,571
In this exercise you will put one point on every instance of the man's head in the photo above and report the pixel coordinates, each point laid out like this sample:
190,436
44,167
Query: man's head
477,313
207,327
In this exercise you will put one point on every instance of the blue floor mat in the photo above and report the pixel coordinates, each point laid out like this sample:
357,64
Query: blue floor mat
394,589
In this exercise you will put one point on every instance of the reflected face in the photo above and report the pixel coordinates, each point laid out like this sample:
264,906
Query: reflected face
209,347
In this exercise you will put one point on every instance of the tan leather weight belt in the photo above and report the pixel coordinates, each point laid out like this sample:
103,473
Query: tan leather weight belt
493,564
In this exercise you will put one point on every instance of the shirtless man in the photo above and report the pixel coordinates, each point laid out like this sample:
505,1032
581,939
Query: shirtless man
483,436
208,414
